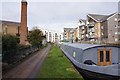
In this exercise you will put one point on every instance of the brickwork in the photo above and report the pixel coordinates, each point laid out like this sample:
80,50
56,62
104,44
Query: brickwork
23,27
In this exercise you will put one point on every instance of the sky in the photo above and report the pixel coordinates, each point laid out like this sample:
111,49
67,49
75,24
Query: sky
54,15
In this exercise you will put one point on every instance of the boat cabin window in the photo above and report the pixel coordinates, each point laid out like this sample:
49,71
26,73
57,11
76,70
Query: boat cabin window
104,57
101,56
107,56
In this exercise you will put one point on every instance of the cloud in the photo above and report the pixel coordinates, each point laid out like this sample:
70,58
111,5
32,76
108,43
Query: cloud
56,15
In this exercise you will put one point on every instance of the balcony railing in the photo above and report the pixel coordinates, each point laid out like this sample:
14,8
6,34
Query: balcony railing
83,32
91,36
82,27
91,25
91,30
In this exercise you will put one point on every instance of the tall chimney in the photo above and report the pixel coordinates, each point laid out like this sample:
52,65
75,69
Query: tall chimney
23,26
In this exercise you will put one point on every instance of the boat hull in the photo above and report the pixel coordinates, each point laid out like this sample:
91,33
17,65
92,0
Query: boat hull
89,75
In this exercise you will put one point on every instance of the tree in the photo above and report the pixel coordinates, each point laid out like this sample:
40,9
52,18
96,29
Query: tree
9,48
35,37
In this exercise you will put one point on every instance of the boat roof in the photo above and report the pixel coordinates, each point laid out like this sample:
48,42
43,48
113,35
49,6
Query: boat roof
85,46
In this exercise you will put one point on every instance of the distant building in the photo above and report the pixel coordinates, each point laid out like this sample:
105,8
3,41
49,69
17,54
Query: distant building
50,37
67,34
56,38
9,27
82,30
61,37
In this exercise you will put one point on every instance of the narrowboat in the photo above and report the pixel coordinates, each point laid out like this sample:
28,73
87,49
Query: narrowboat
94,61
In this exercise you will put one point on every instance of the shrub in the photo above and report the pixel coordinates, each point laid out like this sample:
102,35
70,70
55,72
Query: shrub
9,48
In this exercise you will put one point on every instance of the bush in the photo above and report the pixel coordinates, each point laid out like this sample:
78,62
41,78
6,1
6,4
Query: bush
9,48
35,37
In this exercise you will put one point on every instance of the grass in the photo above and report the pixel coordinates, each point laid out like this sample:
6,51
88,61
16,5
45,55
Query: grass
56,65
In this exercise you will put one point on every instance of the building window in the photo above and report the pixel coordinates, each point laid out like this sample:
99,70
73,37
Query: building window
115,19
102,34
116,39
116,32
101,27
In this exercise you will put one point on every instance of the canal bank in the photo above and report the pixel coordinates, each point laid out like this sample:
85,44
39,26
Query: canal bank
56,65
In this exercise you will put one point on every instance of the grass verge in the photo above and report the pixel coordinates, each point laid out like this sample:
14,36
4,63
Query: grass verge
56,65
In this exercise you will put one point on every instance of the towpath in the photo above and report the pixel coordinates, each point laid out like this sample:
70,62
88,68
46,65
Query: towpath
30,67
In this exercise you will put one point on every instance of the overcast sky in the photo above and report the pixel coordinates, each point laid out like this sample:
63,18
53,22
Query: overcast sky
55,15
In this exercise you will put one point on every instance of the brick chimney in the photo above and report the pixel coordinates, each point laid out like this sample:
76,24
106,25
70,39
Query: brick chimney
23,26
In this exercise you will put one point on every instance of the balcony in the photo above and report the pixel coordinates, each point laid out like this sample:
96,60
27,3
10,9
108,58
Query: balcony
83,27
91,30
91,25
83,32
82,36
91,37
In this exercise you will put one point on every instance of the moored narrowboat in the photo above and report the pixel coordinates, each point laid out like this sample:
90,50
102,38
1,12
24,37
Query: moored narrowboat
94,62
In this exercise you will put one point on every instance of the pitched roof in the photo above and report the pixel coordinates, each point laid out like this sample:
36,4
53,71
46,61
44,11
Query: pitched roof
100,18
97,17
9,23
82,20
67,29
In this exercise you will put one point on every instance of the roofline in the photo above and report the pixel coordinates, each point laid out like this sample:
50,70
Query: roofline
93,18
112,16
95,46
9,21
82,20
101,46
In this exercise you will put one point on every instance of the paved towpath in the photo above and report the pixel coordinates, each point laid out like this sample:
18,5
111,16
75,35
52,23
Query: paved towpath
29,68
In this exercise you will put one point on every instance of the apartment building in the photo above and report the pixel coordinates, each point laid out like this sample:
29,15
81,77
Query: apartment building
96,28
102,28
113,28
82,30
68,34
52,36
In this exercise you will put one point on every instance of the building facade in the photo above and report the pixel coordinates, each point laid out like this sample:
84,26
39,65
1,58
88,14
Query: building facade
82,30
103,28
9,27
96,29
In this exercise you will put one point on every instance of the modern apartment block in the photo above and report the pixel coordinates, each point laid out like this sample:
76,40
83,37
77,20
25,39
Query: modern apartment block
68,34
113,28
82,30
52,36
103,28
96,28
